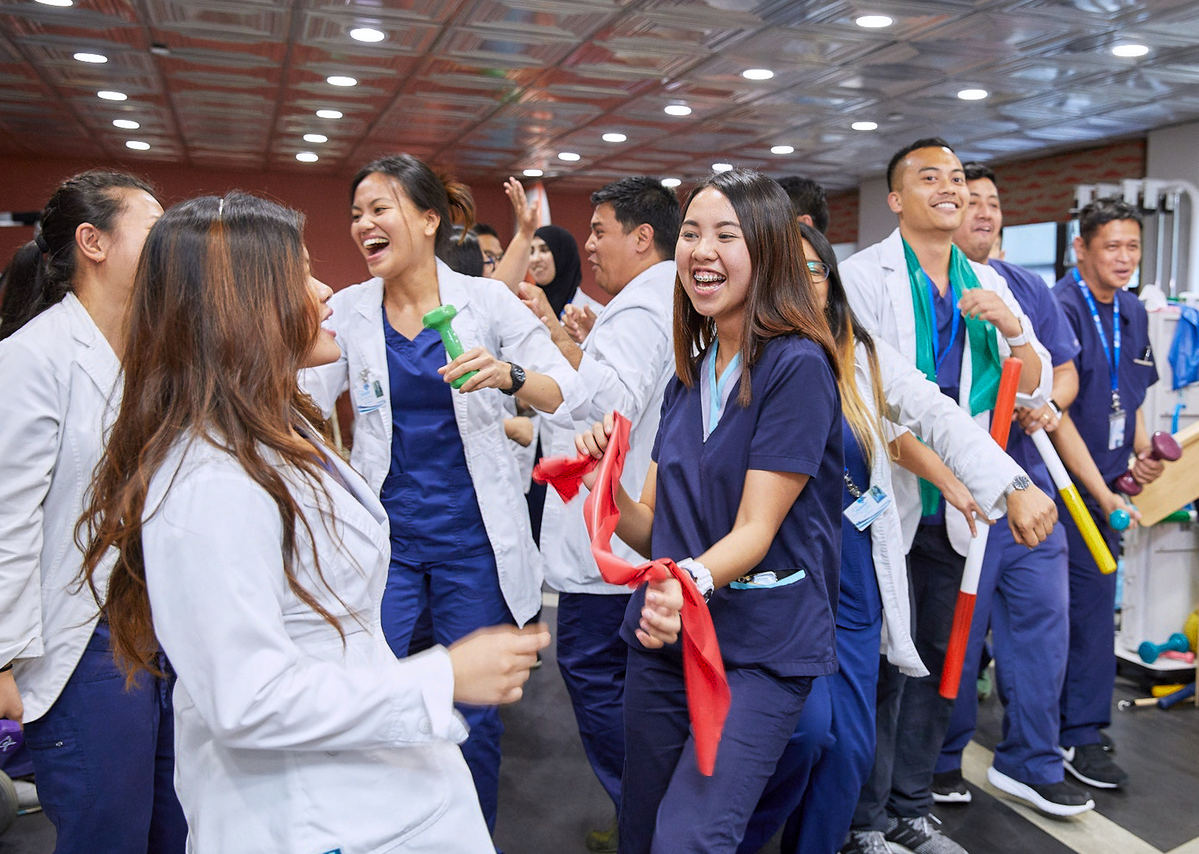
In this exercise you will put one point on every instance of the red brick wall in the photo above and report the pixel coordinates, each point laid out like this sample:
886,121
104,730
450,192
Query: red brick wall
843,217
1042,189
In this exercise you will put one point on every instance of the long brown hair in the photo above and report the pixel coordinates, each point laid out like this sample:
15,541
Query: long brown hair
847,332
780,300
221,321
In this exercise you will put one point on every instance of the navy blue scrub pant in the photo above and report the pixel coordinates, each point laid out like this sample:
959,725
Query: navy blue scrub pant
912,717
1023,594
104,761
1086,705
461,596
591,658
816,785
666,805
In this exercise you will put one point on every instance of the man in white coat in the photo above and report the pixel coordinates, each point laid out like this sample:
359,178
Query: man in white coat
956,320
624,362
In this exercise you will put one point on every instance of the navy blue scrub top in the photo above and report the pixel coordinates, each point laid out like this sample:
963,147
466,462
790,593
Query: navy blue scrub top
792,424
859,604
1136,372
428,492
950,374
1052,330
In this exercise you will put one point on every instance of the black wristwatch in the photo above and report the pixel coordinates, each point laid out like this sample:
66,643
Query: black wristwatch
518,379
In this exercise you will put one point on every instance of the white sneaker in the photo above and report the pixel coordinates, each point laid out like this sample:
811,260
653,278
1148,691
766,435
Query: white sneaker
1051,798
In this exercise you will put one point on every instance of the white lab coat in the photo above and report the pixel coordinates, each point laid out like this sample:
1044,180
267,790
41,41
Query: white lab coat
489,315
917,404
880,293
287,736
628,358
61,391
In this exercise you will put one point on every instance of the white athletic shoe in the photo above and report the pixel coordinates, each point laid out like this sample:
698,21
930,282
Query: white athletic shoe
1059,799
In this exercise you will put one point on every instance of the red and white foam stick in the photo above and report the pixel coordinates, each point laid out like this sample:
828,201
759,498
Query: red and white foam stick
963,615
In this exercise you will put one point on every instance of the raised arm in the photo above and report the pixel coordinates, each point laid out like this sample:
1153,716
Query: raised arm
512,267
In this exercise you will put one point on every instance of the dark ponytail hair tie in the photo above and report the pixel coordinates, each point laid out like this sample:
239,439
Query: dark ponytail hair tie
40,240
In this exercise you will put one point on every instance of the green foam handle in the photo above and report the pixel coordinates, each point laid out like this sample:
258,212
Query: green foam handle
439,319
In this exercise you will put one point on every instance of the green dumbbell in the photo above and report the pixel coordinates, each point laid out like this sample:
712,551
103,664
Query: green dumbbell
439,319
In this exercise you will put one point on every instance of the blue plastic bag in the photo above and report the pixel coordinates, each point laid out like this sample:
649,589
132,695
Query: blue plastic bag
1184,351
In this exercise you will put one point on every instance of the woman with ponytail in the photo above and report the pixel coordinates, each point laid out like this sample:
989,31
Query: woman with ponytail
820,775
102,755
437,457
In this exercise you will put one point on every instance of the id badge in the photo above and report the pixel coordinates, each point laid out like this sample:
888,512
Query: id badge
868,507
368,393
1115,430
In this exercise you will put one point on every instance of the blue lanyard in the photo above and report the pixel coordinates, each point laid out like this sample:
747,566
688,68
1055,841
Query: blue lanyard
716,387
938,355
1113,354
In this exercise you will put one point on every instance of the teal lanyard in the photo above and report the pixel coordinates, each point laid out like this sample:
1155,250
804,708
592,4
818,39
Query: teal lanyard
716,386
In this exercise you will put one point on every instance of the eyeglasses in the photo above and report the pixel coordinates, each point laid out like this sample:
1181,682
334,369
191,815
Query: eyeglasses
818,270
490,260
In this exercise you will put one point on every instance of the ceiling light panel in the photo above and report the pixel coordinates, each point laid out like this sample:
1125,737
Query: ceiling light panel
220,20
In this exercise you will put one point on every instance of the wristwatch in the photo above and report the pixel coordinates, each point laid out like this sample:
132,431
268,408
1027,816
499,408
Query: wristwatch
700,575
1020,482
518,379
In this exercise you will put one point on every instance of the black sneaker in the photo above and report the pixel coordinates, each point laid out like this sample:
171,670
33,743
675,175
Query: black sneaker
1106,741
1051,798
919,836
866,842
950,788
1091,764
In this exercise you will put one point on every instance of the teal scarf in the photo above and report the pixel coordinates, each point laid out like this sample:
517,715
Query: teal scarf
984,348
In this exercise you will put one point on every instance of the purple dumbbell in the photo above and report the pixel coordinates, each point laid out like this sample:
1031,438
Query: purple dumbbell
1163,447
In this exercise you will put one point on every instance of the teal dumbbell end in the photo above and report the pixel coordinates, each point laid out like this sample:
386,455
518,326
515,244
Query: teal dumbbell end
1119,519
439,320
1150,651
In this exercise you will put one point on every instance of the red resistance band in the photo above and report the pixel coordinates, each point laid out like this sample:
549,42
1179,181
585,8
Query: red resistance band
703,668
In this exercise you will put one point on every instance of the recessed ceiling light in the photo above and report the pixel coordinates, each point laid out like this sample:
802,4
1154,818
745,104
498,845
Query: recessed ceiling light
782,149
338,80
63,3
874,22
569,156
864,125
315,137
328,114
1130,50
670,183
757,74
96,58
973,94
614,137
533,173
677,110
307,157
367,34
721,167
126,124
137,145
112,96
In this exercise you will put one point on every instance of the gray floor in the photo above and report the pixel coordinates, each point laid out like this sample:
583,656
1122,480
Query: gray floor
549,798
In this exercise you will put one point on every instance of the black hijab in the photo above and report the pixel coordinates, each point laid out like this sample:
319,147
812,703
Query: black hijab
568,270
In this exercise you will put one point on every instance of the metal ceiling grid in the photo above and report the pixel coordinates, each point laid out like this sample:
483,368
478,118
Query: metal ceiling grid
490,87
